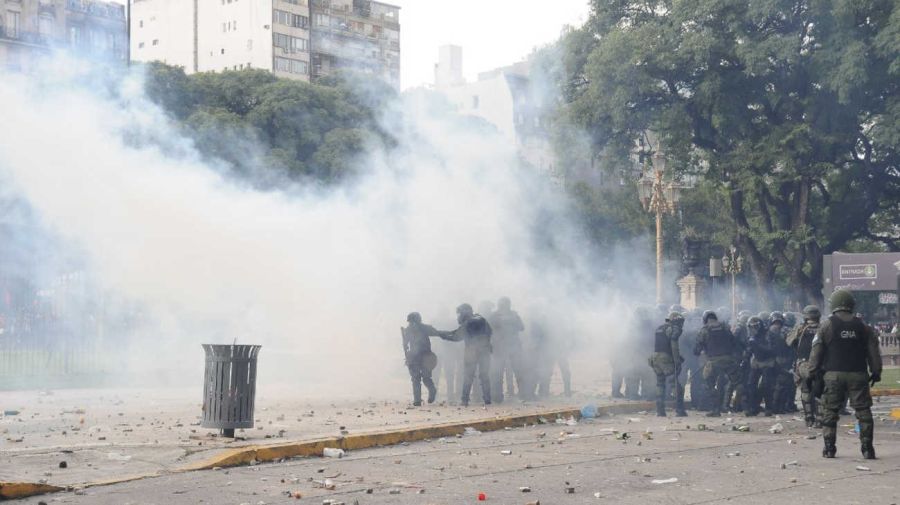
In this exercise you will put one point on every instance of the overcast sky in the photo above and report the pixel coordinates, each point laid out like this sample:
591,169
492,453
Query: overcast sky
492,33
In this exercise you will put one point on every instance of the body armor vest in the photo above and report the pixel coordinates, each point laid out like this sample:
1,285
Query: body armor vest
846,352
804,346
718,342
662,342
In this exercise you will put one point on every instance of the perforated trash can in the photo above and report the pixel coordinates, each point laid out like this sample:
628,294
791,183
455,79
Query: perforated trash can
229,387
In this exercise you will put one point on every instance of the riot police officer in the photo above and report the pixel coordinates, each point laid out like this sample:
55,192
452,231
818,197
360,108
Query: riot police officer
419,359
762,368
801,340
666,362
476,332
718,343
846,352
784,362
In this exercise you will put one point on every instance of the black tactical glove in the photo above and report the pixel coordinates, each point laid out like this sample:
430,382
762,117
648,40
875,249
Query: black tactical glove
876,377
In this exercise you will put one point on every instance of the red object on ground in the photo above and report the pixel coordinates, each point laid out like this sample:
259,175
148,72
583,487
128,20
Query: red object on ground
482,497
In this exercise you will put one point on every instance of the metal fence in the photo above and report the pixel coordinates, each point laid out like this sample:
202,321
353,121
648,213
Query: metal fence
50,360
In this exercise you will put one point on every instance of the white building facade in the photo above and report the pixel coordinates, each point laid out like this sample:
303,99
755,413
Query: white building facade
300,39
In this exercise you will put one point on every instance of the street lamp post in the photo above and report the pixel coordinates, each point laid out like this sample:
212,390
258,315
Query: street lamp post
658,197
732,263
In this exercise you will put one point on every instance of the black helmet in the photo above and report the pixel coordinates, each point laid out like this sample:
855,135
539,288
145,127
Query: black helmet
414,317
790,319
464,309
743,319
676,308
812,313
707,315
776,316
842,300
675,317
755,323
745,313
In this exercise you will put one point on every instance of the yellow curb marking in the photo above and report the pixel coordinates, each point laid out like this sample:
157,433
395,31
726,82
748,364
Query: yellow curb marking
275,452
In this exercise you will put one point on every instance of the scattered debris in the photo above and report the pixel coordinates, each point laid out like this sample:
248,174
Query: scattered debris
11,412
665,481
117,456
63,464
482,497
471,431
863,468
506,453
589,411
393,491
743,428
331,452
525,489
776,428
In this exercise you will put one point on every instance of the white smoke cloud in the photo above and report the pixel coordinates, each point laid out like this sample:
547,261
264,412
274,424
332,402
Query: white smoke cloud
321,278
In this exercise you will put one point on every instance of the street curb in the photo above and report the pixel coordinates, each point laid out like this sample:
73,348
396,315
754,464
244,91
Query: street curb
885,392
274,452
15,490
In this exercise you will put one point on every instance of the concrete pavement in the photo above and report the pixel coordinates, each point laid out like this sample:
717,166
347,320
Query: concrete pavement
595,458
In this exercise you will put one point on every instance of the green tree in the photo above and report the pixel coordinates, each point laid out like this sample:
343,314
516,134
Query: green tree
256,123
786,110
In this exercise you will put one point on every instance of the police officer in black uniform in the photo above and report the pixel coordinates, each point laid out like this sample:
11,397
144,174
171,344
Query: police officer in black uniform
801,340
845,351
476,332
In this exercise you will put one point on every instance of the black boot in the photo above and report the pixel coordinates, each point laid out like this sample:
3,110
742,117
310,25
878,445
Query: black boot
868,451
830,450
432,394
661,408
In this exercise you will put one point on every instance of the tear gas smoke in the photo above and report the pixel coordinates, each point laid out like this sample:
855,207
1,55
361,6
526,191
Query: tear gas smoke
322,278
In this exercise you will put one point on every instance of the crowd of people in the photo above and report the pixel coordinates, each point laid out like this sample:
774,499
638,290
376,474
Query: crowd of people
490,347
757,364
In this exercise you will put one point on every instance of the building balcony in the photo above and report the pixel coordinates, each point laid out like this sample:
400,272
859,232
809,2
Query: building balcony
346,12
99,9
31,38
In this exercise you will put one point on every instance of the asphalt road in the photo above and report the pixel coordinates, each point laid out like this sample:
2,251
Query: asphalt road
593,459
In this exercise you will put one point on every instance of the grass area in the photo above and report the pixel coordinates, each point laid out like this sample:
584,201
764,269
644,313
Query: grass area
890,379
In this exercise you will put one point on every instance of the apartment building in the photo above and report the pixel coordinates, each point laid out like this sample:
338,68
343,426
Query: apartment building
291,38
504,97
30,29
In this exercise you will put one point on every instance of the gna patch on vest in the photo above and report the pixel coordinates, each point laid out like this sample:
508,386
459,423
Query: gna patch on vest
848,334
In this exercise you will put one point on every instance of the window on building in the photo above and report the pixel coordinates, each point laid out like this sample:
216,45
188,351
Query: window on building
141,45
45,25
12,24
475,101
74,36
291,44
289,19
291,66
141,23
223,50
155,42
224,27
322,19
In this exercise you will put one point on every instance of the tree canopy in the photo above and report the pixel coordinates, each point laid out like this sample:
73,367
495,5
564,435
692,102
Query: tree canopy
307,131
786,112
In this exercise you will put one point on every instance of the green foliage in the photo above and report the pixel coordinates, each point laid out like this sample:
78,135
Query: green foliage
250,118
787,110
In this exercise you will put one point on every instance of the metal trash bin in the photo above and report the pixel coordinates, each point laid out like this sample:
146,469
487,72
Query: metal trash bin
229,387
